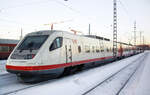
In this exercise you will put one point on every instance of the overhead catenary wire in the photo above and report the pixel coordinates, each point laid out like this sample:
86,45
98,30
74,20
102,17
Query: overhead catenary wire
24,5
32,3
17,6
126,11
69,7
10,21
39,2
60,2
124,8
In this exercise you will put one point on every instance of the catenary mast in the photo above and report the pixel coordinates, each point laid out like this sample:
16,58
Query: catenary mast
114,28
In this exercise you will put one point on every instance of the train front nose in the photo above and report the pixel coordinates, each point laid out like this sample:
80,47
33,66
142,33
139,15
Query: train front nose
14,66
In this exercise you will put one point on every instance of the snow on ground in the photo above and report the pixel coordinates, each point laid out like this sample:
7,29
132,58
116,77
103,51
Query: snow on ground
143,88
79,83
133,83
114,84
2,66
138,84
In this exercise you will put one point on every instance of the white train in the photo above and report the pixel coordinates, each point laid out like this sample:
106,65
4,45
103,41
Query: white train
52,53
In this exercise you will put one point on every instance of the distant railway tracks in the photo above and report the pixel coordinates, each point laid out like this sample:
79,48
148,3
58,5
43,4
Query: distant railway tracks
126,73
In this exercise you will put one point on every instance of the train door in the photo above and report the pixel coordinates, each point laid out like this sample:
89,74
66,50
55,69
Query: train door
53,56
68,50
120,50
102,48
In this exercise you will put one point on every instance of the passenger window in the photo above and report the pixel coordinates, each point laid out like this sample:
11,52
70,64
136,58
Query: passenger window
107,49
87,49
93,48
57,43
79,49
97,49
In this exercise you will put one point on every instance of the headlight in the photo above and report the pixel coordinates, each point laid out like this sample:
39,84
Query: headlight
29,56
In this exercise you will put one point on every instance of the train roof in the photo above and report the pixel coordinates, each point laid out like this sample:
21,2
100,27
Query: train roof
125,43
44,32
97,37
49,32
8,41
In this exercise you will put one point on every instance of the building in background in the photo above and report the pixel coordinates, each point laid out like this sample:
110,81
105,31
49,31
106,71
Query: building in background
144,47
6,47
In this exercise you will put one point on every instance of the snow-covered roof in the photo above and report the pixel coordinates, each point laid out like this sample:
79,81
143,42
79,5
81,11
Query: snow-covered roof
8,41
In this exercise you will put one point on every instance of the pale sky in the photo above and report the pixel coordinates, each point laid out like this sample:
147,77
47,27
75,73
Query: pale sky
31,15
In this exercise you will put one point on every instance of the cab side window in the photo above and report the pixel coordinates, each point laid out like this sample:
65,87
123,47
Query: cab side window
57,43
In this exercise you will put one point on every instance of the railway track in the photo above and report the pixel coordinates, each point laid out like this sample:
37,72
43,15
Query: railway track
5,75
10,84
105,86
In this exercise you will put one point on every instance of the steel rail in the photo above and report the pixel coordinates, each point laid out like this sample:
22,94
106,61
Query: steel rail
133,62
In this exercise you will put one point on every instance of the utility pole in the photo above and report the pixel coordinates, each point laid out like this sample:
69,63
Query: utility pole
89,29
143,43
114,28
135,33
143,40
21,34
140,37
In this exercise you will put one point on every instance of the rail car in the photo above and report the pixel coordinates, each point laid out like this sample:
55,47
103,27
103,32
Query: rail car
6,47
53,53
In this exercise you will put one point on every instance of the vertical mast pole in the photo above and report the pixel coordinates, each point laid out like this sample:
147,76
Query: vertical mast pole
89,29
135,33
114,28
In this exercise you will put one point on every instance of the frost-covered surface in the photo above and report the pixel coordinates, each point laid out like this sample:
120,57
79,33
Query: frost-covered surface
114,84
143,87
8,81
139,84
79,83
2,66
132,85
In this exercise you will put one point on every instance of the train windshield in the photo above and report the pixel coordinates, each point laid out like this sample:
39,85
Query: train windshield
32,42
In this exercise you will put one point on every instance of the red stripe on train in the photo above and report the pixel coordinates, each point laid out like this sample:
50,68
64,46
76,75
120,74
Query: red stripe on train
46,67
